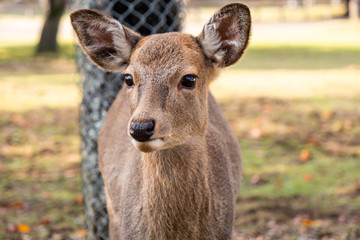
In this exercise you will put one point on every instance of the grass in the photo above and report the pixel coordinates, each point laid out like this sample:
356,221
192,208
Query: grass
39,153
262,57
293,107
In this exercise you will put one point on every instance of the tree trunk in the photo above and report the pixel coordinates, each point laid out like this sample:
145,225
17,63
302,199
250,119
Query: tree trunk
48,39
352,9
100,89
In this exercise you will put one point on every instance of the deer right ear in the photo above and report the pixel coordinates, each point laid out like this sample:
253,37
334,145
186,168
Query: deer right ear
225,36
108,43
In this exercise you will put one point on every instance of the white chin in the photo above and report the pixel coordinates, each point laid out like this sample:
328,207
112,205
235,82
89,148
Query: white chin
149,146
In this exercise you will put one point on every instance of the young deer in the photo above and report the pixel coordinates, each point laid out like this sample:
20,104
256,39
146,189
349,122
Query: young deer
170,163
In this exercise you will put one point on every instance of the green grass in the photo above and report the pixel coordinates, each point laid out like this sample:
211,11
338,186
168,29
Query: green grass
286,128
26,52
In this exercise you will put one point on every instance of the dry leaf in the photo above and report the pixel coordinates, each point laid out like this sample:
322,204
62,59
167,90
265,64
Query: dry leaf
79,199
45,220
16,118
308,177
81,233
255,179
307,222
255,133
46,195
312,141
327,114
23,228
18,204
305,155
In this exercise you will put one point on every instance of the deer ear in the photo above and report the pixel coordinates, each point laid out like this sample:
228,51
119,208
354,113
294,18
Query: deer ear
108,43
225,36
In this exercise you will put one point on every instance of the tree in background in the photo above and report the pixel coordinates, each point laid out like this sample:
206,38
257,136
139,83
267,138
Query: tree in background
352,8
48,39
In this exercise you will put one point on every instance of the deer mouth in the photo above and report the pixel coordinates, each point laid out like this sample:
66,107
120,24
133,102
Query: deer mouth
149,145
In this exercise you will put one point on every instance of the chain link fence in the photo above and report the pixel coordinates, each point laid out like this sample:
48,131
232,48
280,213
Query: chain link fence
100,89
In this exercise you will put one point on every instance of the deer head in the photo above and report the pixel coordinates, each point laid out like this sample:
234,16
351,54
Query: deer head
166,75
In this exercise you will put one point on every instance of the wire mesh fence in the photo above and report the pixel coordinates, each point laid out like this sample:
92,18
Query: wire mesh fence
100,89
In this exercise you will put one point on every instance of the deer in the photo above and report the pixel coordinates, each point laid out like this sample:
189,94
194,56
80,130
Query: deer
170,162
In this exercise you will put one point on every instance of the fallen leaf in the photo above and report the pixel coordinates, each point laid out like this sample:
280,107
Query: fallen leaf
45,220
17,204
307,222
16,118
80,232
308,177
255,133
46,195
23,228
255,179
327,114
79,199
305,155
312,141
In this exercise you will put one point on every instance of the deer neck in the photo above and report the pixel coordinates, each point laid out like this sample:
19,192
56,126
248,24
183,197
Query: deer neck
176,190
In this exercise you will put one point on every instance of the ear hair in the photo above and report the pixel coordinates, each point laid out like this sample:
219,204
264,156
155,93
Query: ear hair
108,43
225,36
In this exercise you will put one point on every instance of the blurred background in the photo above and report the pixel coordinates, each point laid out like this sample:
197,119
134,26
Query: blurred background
293,101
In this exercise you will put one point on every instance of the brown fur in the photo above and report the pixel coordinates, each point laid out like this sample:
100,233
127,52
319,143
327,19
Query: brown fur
185,185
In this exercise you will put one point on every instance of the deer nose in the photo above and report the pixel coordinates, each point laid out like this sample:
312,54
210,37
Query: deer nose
142,131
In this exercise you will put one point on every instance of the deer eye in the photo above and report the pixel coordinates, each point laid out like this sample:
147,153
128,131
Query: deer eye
128,79
188,81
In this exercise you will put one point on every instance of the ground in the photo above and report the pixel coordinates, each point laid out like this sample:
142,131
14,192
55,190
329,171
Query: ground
292,101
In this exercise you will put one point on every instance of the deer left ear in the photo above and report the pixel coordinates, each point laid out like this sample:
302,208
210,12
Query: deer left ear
108,43
225,36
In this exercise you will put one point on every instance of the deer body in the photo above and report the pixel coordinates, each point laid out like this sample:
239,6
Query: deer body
170,163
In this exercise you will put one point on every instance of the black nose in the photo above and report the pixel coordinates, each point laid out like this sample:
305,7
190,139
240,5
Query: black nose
142,131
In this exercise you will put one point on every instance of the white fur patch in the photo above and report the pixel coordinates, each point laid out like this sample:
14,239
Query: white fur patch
212,40
155,144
